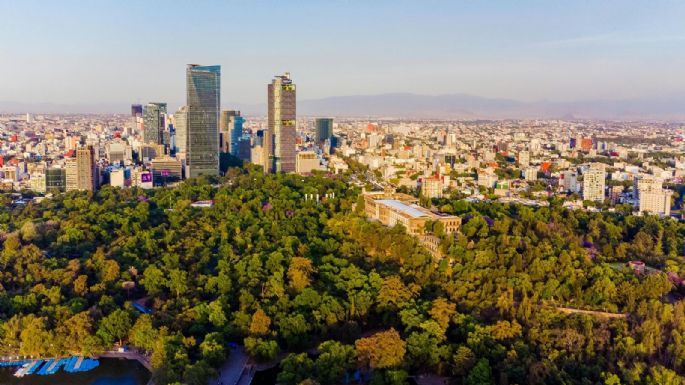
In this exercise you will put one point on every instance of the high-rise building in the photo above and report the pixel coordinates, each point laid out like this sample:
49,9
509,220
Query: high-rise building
523,159
181,127
324,129
81,171
230,131
653,197
203,101
87,169
136,110
71,175
594,183
55,179
154,122
279,143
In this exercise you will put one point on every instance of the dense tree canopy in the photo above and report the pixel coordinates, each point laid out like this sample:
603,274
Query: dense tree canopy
339,296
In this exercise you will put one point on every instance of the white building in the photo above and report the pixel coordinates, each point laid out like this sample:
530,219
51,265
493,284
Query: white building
653,197
531,174
594,183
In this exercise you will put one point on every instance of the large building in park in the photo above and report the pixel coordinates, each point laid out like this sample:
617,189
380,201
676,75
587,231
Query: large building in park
391,208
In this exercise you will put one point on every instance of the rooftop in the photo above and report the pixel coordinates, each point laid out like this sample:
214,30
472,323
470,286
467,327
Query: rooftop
413,210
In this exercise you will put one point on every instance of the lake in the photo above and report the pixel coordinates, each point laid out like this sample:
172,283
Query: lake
112,371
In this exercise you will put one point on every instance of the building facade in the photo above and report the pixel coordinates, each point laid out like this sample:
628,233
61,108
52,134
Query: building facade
654,198
81,171
203,101
392,208
230,131
279,143
432,186
324,129
307,161
154,122
594,183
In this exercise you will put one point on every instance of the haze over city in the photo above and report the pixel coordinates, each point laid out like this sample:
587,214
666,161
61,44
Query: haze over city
94,58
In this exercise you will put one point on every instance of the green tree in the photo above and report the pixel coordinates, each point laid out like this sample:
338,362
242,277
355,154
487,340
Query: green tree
115,327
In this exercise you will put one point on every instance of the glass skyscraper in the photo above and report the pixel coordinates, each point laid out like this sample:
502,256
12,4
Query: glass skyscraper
230,131
203,101
324,129
281,134
154,122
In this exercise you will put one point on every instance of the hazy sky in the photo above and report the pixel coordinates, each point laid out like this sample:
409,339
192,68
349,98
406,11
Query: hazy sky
76,52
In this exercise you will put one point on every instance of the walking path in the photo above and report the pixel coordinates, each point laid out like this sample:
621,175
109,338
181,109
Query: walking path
606,314
130,355
235,371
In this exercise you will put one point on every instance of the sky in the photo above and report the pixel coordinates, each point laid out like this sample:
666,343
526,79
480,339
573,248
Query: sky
120,51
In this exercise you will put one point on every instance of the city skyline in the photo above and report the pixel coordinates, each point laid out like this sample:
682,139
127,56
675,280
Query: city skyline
529,51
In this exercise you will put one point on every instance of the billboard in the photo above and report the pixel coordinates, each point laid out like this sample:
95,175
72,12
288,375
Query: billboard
145,179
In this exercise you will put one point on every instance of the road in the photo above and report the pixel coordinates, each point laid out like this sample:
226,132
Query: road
235,370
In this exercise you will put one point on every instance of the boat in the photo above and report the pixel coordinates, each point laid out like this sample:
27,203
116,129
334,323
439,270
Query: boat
34,366
21,372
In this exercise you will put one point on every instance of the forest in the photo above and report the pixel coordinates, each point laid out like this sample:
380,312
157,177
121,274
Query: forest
327,293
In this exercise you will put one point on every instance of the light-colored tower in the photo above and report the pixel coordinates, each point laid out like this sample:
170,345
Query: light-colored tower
594,183
181,127
653,197
279,143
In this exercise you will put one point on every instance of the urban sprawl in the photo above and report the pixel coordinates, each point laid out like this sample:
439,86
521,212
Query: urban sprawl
634,167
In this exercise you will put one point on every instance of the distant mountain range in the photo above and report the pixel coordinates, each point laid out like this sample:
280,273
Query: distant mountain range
406,105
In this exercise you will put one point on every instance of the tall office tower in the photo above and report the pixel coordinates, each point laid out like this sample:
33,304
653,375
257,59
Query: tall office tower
230,131
203,101
87,169
594,183
653,197
136,110
324,129
81,172
281,133
136,116
181,127
154,122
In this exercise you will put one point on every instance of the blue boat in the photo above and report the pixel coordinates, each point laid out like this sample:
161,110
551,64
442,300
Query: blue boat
69,366
44,369
56,367
34,367
14,363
